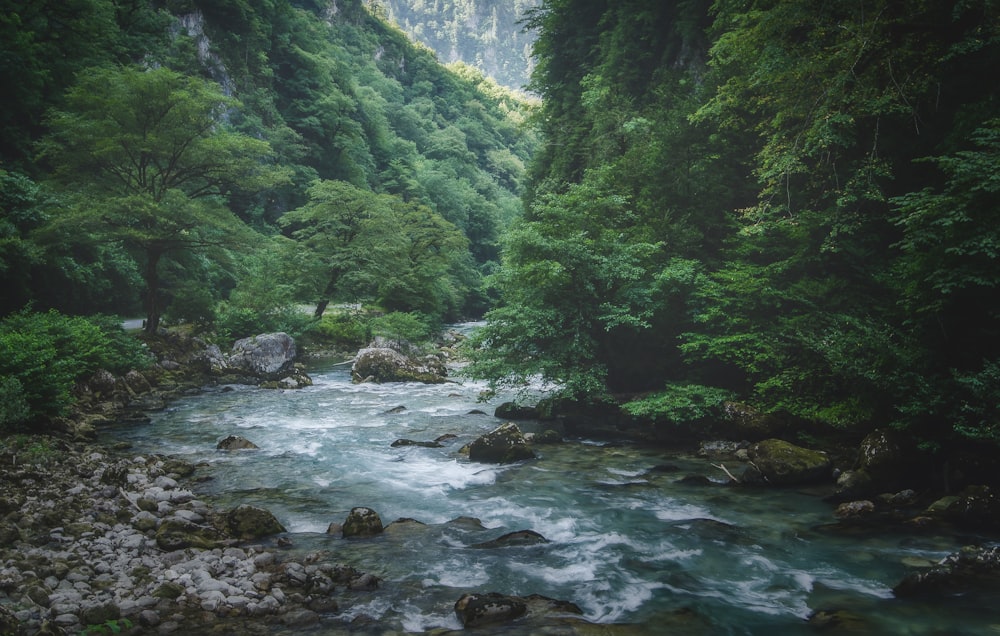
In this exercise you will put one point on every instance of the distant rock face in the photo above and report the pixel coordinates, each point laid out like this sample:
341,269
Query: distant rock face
780,463
502,445
266,355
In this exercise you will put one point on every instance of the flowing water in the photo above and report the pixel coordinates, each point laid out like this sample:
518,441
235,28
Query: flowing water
628,541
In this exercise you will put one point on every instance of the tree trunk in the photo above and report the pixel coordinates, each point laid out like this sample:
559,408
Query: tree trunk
320,308
324,301
152,278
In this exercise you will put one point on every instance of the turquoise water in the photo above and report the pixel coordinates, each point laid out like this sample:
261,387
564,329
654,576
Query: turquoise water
627,543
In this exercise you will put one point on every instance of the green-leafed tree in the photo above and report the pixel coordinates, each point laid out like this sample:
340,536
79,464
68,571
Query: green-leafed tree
149,159
346,233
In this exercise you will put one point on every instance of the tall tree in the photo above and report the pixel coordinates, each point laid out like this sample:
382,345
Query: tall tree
150,160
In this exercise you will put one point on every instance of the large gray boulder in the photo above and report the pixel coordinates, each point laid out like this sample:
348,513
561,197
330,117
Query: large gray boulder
268,355
385,364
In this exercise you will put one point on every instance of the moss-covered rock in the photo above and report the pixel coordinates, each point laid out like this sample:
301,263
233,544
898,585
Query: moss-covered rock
780,463
502,445
362,522
249,522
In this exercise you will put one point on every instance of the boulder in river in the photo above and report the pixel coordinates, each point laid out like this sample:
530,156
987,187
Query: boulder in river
503,445
362,522
266,355
511,539
475,610
957,573
384,364
780,463
236,442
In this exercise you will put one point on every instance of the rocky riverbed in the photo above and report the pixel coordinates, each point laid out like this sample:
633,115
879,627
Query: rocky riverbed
90,540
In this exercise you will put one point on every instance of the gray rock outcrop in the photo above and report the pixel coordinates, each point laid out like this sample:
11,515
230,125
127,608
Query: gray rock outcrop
267,355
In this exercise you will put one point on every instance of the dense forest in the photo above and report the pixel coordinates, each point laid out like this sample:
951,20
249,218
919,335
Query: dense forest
224,164
486,34
790,205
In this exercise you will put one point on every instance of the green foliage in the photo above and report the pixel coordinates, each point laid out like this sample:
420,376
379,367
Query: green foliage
112,626
681,404
47,353
344,330
410,326
32,450
14,407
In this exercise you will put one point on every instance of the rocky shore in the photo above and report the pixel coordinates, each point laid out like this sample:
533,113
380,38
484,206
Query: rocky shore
97,544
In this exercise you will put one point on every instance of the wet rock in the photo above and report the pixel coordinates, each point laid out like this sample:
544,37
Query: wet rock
410,442
976,507
721,449
515,411
365,583
386,364
503,445
695,480
265,355
968,569
854,509
547,436
517,538
840,620
236,442
361,523
780,463
249,522
475,610
177,534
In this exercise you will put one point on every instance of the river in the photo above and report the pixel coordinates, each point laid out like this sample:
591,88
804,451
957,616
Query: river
629,542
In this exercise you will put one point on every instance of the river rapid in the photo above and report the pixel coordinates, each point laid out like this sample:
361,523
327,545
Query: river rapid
629,542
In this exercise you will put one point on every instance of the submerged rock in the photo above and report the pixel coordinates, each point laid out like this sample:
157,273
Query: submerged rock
502,445
517,538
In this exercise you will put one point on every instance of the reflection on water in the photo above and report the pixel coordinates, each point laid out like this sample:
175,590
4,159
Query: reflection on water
627,543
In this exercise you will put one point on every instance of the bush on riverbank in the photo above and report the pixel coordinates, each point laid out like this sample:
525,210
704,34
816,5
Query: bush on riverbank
44,354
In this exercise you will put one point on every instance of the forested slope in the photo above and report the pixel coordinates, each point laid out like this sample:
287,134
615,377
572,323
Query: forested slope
222,164
788,204
336,95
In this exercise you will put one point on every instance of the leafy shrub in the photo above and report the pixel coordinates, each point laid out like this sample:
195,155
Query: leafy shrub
13,405
411,326
42,355
681,403
341,330
235,322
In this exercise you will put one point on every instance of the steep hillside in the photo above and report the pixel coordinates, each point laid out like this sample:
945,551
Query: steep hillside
343,101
